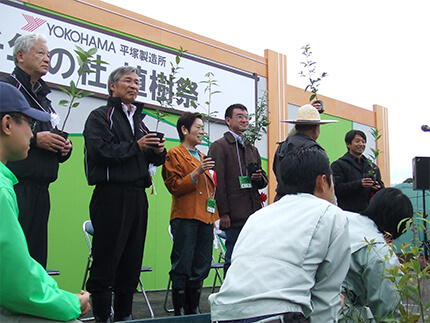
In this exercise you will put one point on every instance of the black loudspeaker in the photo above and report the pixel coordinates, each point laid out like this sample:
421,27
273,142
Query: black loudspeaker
421,173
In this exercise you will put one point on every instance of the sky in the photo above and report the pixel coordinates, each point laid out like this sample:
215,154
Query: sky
374,51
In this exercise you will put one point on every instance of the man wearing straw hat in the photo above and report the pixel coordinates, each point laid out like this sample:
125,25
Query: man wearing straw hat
307,126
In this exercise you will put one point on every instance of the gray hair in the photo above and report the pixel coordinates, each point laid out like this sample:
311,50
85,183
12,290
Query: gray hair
118,73
25,43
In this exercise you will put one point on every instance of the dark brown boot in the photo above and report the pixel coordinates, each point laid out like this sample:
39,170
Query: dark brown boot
193,293
178,298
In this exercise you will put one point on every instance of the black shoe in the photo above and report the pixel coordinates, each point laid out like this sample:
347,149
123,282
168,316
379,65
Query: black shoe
126,318
98,320
101,304
122,306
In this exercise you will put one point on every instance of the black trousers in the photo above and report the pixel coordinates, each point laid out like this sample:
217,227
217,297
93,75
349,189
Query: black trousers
119,214
191,255
34,206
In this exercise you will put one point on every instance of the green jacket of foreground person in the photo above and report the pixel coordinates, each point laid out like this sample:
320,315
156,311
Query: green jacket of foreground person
367,293
25,287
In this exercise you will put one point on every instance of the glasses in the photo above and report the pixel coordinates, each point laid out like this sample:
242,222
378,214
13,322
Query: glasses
18,116
241,116
130,81
31,122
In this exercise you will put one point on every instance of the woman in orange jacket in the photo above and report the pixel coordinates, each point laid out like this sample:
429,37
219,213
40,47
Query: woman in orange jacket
188,176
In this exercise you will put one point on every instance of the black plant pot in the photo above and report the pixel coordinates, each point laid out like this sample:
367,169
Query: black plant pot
213,158
252,168
160,136
61,133
367,175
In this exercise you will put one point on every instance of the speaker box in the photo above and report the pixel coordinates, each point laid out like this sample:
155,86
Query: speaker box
421,173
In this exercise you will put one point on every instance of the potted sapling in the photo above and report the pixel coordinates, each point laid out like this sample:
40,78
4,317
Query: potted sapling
85,60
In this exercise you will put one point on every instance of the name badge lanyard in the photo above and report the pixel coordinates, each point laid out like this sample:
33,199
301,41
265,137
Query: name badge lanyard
211,203
50,109
244,181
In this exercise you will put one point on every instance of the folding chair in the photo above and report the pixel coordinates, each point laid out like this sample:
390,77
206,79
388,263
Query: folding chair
88,229
217,266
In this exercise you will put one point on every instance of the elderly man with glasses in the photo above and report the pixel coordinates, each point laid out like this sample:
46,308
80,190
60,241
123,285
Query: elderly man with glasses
47,149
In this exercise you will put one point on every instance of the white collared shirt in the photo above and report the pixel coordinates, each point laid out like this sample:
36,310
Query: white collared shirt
129,114
237,137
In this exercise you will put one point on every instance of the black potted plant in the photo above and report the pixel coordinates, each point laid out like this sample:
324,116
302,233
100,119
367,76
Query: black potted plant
256,129
311,74
210,83
168,95
376,134
85,59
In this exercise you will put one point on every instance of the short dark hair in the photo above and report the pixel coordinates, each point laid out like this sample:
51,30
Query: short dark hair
229,111
118,73
387,208
16,116
305,127
186,120
350,135
301,167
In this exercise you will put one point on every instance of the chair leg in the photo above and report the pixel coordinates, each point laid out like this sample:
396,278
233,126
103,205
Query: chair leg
146,299
86,272
217,275
168,310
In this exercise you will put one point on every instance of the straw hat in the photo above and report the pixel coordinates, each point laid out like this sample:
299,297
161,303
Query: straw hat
308,115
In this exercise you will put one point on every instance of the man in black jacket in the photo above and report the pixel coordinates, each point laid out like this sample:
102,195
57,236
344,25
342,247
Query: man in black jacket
47,150
307,131
118,152
356,179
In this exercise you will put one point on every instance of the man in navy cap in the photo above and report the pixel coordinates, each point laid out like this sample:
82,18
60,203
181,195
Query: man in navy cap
40,296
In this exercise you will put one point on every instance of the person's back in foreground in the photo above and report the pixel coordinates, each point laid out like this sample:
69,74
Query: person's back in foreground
291,256
368,295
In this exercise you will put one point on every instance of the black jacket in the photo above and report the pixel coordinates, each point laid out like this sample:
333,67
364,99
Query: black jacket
41,166
112,154
348,173
293,142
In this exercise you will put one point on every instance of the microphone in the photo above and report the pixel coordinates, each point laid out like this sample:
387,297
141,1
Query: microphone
425,127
